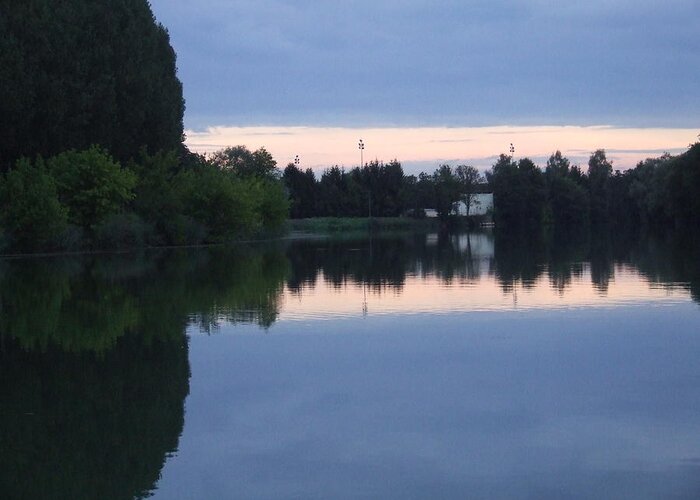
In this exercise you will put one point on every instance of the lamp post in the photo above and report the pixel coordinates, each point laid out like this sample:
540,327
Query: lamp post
361,147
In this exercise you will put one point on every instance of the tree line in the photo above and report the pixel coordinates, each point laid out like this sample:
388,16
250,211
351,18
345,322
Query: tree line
92,152
87,199
657,193
378,189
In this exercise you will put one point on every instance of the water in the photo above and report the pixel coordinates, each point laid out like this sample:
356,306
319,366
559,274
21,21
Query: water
404,366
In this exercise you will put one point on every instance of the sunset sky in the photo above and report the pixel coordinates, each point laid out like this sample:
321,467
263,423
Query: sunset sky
428,82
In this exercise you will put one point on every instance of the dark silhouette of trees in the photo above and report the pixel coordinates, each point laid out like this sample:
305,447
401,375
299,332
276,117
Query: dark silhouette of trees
74,74
599,173
567,193
469,179
519,192
301,190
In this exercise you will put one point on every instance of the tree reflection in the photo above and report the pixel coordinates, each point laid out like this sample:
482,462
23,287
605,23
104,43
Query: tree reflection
385,262
93,350
90,425
94,360
514,258
672,262
519,258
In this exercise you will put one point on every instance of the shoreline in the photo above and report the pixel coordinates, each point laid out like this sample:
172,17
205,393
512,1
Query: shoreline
295,229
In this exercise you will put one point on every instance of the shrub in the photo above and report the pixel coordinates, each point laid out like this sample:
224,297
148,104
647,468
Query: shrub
32,215
123,231
91,185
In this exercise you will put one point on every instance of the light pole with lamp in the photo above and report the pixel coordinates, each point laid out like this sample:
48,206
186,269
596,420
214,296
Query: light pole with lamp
361,147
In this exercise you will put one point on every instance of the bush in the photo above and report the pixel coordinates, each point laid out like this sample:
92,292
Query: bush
271,203
184,230
218,201
91,185
32,215
123,231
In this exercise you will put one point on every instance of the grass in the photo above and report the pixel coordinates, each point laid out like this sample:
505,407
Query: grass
330,225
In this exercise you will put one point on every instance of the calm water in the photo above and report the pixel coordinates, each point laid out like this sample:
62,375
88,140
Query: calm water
413,366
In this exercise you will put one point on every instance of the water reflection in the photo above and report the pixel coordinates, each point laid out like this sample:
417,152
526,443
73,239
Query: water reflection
87,425
95,348
482,271
94,362
88,303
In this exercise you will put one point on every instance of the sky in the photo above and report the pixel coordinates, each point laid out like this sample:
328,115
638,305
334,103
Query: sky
311,78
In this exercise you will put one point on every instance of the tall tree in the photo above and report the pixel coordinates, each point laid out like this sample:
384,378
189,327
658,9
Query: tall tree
242,162
447,191
469,179
76,73
599,173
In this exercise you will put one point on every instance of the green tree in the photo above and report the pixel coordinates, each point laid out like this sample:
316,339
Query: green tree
447,191
301,187
568,199
599,173
519,192
240,161
91,184
29,207
271,203
220,203
76,73
155,198
469,179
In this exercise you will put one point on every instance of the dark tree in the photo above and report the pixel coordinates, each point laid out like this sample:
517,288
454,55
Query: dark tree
469,179
76,73
599,172
242,162
301,188
567,196
447,191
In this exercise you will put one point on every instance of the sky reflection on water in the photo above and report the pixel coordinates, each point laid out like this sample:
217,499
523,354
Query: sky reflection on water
451,381
588,403
405,366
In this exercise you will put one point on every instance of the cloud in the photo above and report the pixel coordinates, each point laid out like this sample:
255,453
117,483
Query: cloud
420,63
424,148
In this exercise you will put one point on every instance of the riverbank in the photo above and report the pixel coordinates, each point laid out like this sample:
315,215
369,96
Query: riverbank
317,225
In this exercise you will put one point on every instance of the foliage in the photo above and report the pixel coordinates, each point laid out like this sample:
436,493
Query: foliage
240,161
219,202
125,230
157,202
270,202
519,192
447,191
30,210
567,194
76,73
599,173
91,184
301,189
469,178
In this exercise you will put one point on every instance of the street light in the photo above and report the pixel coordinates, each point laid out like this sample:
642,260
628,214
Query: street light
361,147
